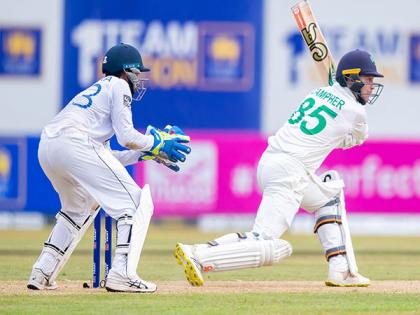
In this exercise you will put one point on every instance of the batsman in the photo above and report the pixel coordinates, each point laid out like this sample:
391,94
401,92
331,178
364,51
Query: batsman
329,117
75,155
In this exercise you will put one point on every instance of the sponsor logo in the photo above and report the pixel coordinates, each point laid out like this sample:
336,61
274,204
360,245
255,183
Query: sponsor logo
5,170
207,268
20,51
319,50
127,100
12,173
226,56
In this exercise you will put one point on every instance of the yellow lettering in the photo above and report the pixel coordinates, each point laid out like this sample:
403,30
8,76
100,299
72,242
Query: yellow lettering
167,73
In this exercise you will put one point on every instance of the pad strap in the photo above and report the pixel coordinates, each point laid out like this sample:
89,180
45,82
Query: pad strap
54,250
68,221
327,220
335,251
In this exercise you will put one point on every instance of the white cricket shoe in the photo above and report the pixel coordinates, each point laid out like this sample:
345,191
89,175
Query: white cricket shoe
39,281
346,279
116,282
184,255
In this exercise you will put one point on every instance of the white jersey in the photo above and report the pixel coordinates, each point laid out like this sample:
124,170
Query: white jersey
328,118
100,111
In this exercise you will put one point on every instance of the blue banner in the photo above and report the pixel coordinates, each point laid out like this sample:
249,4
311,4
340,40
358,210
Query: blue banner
204,57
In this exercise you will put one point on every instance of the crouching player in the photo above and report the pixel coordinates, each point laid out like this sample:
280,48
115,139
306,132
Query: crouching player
75,155
328,118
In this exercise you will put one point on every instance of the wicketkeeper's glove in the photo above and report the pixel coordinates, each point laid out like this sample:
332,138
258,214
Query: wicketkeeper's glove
169,146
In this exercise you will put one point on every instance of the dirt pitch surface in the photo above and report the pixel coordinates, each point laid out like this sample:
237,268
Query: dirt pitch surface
222,287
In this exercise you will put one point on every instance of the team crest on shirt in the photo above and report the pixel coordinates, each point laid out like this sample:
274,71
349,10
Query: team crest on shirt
127,100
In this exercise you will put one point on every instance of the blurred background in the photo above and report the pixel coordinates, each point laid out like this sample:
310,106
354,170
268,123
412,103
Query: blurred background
228,72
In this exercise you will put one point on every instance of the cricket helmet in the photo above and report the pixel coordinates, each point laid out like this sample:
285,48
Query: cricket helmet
354,64
125,58
122,57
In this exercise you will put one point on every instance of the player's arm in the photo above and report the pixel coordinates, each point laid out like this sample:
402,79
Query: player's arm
122,120
128,157
359,132
167,145
125,157
131,157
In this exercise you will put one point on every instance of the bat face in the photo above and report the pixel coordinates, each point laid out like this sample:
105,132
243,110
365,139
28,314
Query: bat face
315,41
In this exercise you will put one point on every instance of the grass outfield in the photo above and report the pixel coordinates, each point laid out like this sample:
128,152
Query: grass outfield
292,287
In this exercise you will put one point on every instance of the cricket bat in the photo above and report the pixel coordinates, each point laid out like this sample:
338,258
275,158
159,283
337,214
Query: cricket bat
315,41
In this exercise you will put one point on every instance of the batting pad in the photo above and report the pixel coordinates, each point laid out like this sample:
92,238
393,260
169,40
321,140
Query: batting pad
141,220
239,255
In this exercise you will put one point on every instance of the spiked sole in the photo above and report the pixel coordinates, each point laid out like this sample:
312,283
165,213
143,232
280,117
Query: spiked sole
334,284
125,291
190,270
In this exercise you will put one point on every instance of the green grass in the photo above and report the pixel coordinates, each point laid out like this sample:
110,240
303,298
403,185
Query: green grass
380,258
291,303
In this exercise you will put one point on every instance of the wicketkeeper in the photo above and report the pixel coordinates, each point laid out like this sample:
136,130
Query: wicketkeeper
75,155
328,118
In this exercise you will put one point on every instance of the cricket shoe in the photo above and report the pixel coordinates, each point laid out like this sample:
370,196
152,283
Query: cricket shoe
346,279
39,281
184,255
116,282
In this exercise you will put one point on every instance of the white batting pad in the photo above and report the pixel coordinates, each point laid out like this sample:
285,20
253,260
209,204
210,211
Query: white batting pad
77,235
141,221
243,254
336,235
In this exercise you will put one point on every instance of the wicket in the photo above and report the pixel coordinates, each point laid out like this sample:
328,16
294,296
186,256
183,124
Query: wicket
96,271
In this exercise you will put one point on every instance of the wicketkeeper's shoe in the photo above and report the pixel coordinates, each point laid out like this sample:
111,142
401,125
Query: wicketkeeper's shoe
39,281
117,282
184,255
346,279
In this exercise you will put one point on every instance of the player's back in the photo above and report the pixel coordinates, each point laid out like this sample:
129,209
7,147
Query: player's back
89,111
319,125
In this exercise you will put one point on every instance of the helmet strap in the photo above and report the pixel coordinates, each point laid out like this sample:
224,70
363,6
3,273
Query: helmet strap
356,86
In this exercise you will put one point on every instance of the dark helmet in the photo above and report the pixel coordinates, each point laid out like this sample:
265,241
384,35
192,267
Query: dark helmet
125,58
122,57
354,64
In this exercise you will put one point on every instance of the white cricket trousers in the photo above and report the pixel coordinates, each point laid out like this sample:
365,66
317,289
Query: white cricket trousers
283,181
84,172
